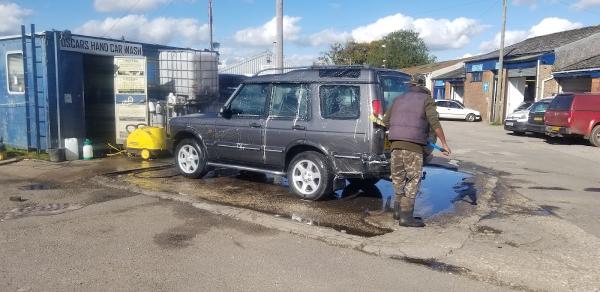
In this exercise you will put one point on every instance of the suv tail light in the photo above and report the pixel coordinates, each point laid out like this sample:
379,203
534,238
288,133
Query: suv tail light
377,108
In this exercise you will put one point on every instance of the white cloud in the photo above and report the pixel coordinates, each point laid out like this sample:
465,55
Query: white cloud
128,6
583,4
510,37
163,30
551,25
265,35
546,26
12,16
327,37
438,34
300,59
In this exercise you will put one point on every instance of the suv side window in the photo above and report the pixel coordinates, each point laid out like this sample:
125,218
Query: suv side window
289,101
250,101
442,103
340,102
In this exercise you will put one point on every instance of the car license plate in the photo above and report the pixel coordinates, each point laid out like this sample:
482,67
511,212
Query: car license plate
510,123
555,129
538,119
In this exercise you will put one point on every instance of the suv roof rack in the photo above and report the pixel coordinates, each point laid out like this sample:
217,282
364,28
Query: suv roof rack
313,67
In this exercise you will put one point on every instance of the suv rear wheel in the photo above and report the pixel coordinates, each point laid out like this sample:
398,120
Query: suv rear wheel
190,159
595,136
310,176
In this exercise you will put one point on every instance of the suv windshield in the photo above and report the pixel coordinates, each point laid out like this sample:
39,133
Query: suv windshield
392,86
539,107
561,103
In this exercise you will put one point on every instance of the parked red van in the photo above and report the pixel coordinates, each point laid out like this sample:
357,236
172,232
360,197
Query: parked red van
576,114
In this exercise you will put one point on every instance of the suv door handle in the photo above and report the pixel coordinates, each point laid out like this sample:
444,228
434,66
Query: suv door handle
255,125
298,127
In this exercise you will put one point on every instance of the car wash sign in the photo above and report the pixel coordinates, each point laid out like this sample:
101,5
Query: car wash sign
131,108
96,46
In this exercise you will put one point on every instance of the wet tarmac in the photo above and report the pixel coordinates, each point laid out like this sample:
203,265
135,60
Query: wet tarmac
346,211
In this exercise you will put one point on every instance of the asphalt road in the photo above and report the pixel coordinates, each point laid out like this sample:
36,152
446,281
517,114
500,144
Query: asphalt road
564,178
120,241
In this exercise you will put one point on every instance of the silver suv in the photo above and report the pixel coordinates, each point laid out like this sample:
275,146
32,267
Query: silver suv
312,125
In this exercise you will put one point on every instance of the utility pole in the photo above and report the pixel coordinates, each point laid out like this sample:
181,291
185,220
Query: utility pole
210,25
279,41
499,105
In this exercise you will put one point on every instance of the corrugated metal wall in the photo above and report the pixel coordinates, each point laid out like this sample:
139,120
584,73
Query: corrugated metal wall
17,115
252,65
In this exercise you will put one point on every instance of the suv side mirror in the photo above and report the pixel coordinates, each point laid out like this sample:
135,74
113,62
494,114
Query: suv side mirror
225,112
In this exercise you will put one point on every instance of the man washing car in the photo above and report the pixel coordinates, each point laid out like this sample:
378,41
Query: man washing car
409,120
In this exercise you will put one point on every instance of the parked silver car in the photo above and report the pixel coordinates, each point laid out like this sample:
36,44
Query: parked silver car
517,120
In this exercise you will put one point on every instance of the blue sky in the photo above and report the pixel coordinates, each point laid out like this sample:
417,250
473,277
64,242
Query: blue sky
451,29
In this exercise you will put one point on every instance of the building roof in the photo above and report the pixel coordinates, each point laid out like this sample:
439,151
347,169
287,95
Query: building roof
428,68
458,73
591,63
542,44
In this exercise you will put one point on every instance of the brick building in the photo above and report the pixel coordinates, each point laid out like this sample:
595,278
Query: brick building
577,66
431,73
529,70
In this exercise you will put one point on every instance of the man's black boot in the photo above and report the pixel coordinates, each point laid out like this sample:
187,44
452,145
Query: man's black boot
407,220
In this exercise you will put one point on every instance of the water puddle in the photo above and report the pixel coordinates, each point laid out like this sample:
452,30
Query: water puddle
37,187
346,212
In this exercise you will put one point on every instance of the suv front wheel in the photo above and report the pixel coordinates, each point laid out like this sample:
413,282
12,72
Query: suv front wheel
310,176
190,159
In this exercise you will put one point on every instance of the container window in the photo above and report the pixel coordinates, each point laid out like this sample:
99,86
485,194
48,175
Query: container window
392,87
289,101
250,101
476,76
561,103
340,102
15,73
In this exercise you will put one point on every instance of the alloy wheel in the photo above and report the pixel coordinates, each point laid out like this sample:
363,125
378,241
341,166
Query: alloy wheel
306,177
188,159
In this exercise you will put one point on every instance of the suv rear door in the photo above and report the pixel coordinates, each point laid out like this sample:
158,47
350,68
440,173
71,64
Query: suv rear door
286,123
339,123
239,138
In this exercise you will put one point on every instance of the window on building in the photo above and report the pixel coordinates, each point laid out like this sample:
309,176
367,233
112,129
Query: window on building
476,76
250,101
15,73
340,102
289,101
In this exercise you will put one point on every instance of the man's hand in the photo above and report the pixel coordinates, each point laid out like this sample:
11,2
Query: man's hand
447,150
440,134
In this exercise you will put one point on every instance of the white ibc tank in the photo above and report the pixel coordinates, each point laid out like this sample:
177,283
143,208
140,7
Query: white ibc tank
71,149
190,73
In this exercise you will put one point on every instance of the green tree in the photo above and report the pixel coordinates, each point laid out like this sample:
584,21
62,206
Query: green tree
399,49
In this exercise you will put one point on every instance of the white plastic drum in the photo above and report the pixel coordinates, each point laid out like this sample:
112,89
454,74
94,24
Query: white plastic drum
71,149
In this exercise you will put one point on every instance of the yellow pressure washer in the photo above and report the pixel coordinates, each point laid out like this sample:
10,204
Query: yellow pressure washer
147,142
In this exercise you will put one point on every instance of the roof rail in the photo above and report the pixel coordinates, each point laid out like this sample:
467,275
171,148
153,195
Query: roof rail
312,67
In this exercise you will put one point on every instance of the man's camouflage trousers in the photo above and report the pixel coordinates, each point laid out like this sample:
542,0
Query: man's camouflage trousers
406,168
